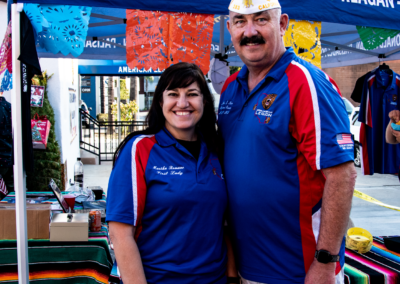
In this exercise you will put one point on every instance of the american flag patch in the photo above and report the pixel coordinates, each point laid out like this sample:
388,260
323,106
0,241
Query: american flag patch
344,139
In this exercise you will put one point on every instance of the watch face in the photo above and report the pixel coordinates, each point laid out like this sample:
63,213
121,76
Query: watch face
324,256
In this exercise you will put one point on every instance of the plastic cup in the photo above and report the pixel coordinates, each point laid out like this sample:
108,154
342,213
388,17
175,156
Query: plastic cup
70,199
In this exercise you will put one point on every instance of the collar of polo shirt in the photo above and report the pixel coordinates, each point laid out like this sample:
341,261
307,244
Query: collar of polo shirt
253,6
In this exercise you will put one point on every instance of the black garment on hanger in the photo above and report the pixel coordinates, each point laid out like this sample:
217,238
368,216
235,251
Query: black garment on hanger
29,67
358,89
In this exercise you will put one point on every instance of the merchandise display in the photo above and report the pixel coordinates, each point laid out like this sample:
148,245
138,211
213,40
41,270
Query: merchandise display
381,94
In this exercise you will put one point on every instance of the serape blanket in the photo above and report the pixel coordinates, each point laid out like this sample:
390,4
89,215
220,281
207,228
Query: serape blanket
379,266
60,262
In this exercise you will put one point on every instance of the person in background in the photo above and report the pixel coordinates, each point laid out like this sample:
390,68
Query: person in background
167,198
288,156
393,136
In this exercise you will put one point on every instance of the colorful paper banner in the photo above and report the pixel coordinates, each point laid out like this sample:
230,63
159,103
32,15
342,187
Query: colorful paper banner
158,39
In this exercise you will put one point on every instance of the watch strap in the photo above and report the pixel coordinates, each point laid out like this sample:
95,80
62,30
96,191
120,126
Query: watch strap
319,255
233,280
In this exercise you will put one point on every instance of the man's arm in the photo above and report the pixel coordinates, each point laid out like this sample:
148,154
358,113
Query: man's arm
393,136
335,211
127,253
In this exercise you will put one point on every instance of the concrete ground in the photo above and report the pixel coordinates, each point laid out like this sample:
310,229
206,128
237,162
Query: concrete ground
379,221
376,219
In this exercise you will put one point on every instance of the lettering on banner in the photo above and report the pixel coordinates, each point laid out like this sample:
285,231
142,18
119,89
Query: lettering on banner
377,3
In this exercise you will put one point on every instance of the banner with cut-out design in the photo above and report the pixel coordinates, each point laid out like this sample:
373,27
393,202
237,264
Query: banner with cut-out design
155,40
60,28
304,37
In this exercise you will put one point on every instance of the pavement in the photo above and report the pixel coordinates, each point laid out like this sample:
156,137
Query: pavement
379,221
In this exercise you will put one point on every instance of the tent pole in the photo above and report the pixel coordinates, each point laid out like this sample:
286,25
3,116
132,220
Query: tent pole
119,108
221,34
19,173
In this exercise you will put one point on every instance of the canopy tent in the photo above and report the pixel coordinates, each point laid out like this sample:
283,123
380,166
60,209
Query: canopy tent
339,39
373,13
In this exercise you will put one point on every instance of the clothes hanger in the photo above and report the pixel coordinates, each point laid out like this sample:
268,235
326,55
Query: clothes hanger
384,67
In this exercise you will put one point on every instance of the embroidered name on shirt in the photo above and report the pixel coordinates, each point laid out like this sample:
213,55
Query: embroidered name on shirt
225,107
170,170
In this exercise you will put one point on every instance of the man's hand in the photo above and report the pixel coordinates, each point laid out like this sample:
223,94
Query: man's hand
394,116
393,136
321,273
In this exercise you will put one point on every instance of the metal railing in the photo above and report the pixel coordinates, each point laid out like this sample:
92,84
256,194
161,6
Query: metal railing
102,138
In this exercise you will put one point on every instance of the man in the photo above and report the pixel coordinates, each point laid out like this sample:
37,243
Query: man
288,156
393,136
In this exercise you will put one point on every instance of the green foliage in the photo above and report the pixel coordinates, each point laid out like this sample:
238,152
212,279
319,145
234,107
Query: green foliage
102,117
124,90
127,110
234,69
47,162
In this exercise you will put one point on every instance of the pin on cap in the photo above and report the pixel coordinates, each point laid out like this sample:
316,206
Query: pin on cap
253,6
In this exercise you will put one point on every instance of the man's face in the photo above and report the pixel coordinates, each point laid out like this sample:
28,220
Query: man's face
257,38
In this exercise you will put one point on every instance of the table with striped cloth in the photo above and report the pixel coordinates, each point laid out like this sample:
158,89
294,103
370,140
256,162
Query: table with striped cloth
60,262
379,266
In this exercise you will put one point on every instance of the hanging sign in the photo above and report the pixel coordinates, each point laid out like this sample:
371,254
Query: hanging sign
157,40
37,96
40,131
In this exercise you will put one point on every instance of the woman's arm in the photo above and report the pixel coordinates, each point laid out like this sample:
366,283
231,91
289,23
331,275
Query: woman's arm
127,253
393,136
231,270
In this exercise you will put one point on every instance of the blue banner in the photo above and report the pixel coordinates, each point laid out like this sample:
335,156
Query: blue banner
373,13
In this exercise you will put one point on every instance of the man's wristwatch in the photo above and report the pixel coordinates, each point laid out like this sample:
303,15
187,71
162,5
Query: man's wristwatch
233,280
325,256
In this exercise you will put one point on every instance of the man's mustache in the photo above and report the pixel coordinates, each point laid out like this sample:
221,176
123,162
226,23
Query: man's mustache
253,39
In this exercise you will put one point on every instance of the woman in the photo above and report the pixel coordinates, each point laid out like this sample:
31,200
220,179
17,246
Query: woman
166,196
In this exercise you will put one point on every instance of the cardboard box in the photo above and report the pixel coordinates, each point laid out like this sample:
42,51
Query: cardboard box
69,227
38,219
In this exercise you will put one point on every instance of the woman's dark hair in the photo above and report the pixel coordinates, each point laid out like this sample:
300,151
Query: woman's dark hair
179,75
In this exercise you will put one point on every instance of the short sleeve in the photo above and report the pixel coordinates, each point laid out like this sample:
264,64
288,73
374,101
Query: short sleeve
364,115
319,121
126,194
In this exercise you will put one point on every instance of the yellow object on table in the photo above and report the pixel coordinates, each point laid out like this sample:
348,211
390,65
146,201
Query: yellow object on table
359,239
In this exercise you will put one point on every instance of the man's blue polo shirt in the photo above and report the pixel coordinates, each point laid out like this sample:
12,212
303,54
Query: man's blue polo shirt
177,204
380,96
276,141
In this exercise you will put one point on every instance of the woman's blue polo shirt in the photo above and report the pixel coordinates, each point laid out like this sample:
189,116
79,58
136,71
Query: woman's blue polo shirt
176,203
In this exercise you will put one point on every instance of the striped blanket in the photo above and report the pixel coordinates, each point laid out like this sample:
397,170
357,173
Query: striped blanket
379,266
60,262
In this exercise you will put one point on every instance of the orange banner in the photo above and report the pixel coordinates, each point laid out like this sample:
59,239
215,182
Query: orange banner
158,39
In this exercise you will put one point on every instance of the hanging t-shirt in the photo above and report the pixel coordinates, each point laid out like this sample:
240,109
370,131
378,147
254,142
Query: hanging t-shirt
380,96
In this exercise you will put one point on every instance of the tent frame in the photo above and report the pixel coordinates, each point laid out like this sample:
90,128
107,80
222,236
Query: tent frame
19,173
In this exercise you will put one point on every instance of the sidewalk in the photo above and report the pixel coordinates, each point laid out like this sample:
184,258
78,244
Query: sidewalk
97,175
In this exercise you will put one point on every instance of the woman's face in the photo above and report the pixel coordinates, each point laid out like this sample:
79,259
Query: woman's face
182,109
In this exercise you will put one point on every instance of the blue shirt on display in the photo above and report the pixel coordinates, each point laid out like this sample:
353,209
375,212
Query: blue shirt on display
380,96
176,203
277,139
